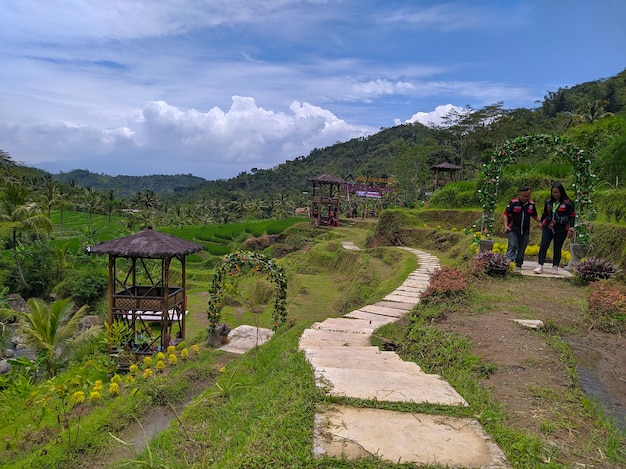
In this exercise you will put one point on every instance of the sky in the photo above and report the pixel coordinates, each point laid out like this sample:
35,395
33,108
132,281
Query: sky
214,88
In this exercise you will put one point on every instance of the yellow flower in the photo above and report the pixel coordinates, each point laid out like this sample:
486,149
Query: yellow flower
98,383
160,365
147,373
171,349
78,397
114,389
98,387
160,356
116,378
172,359
94,396
195,348
223,369
147,361
184,353
133,369
130,379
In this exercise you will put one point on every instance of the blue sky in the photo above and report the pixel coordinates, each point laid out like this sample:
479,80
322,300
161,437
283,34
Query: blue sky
216,87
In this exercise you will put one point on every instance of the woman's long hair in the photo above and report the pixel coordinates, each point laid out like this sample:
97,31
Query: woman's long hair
561,189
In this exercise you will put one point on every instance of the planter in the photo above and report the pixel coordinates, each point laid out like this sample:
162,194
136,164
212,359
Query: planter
577,252
219,336
485,245
497,272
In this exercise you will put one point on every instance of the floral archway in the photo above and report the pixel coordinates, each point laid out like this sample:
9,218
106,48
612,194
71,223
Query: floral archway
251,261
583,178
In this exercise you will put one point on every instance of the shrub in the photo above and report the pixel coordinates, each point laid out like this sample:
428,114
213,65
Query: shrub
85,287
607,306
593,269
491,263
445,283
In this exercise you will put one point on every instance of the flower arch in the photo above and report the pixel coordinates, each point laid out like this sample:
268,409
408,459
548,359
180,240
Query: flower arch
583,181
236,263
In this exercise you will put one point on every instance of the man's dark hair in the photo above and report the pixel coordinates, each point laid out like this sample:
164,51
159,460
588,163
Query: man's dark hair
524,189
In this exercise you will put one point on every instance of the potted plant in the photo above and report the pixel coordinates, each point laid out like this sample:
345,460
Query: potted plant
219,335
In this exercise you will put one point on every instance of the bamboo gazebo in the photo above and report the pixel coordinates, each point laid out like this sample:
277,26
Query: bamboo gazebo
325,200
142,291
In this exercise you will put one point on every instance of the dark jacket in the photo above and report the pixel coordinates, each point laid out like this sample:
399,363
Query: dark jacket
519,214
559,218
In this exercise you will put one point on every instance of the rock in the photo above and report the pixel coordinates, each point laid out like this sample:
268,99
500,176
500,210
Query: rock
4,367
9,353
530,323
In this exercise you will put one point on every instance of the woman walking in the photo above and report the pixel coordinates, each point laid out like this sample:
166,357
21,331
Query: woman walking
557,222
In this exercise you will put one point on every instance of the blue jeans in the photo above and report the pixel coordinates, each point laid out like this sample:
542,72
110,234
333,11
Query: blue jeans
516,248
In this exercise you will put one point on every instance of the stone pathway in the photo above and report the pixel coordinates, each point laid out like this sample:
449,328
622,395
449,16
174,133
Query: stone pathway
345,364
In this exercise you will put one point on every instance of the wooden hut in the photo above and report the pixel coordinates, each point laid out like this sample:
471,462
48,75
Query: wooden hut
443,173
142,291
325,199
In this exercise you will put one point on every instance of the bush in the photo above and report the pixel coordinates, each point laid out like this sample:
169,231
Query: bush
607,306
491,263
593,269
85,287
445,283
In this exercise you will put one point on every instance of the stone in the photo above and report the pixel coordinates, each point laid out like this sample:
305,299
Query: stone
530,323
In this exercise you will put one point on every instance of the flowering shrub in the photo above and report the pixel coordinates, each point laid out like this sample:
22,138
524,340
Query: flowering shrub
446,282
607,306
491,263
593,269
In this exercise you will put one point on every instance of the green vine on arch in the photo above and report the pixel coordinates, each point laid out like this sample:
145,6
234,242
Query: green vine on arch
583,178
255,262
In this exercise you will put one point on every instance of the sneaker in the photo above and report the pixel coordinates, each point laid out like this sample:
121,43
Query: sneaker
539,269
518,269
555,270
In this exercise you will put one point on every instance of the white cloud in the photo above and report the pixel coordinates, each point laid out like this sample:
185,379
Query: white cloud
434,118
163,139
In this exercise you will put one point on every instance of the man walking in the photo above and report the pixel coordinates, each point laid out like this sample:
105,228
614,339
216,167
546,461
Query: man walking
516,218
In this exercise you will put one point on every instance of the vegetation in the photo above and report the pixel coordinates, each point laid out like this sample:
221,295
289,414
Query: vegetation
47,222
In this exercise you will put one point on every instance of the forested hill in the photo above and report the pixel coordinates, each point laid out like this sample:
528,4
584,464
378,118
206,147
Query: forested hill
404,152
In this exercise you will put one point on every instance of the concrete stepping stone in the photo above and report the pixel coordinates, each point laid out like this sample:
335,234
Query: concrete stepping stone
420,439
386,311
320,338
374,319
392,304
402,299
346,357
388,386
357,326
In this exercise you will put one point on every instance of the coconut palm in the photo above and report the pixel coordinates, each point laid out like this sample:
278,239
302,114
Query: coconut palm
22,216
51,330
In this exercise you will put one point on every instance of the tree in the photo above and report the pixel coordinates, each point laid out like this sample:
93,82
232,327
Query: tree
51,330
23,216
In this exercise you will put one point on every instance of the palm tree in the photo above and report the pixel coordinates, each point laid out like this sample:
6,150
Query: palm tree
51,330
22,216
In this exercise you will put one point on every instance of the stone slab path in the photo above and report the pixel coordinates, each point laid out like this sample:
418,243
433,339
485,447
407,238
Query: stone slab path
345,364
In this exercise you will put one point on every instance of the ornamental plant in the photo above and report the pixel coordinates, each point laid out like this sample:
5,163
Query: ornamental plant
445,283
491,263
607,306
593,269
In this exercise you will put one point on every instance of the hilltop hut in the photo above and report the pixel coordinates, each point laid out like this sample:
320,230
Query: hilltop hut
142,292
325,199
443,173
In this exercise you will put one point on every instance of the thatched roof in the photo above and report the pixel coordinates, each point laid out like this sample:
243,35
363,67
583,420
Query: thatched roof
326,178
446,167
147,243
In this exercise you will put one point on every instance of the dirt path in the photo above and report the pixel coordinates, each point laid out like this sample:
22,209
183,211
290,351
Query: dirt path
531,380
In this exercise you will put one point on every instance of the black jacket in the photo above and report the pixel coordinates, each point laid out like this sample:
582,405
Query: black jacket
559,218
519,214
